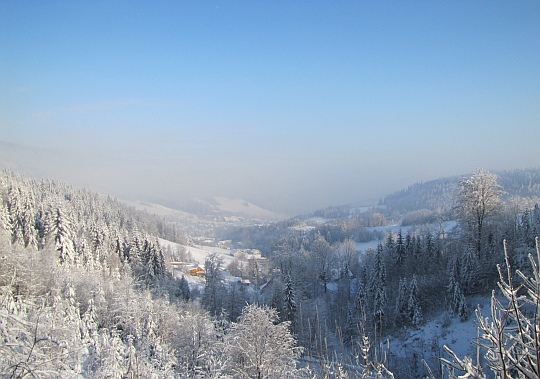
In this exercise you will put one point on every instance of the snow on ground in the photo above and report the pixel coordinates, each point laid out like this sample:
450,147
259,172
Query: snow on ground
199,253
246,208
159,210
428,341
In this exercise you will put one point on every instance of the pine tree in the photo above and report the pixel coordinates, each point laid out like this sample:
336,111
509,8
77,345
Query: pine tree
350,329
214,288
183,289
462,308
400,249
97,246
535,224
4,216
135,247
456,299
409,245
525,229
15,214
153,263
61,233
361,293
430,246
418,249
289,303
28,225
468,270
414,310
401,311
389,246
510,336
379,289
277,301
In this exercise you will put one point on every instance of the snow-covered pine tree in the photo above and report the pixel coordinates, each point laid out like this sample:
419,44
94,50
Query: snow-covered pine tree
214,288
350,330
418,247
379,289
183,289
468,269
61,234
430,246
400,251
402,299
5,222
409,244
362,294
535,225
389,246
525,229
414,310
289,303
28,224
15,214
456,299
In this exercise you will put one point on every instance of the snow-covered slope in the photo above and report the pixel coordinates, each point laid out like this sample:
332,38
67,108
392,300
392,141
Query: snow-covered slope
245,208
408,350
231,210
160,210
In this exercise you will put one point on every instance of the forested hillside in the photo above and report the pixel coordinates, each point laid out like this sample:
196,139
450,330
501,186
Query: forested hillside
86,290
432,264
439,194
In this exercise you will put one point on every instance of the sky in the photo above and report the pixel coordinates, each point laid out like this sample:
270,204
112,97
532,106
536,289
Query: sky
291,105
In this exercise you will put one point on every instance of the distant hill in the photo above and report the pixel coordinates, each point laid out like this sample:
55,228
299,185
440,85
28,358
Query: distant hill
209,208
440,193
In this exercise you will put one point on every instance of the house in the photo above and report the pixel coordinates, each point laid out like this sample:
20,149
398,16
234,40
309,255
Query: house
197,271
180,268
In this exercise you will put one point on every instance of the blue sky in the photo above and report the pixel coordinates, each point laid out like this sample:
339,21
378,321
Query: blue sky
292,105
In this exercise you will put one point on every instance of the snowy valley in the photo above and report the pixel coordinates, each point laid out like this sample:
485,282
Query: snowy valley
96,287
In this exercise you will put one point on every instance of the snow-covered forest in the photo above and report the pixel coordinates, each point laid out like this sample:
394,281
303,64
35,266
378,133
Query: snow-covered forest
87,289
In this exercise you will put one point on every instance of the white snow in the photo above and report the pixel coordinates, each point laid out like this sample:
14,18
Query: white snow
458,336
246,208
200,252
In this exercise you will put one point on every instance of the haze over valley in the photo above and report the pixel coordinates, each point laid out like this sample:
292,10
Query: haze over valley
291,107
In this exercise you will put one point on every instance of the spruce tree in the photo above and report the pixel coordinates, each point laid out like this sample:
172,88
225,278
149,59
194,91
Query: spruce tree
400,249
402,299
350,329
289,303
214,288
389,246
414,310
430,245
61,234
379,289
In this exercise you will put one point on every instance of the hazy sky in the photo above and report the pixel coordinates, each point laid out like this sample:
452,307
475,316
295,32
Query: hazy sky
293,105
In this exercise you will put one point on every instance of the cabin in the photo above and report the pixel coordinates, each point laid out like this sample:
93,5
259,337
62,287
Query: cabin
197,271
